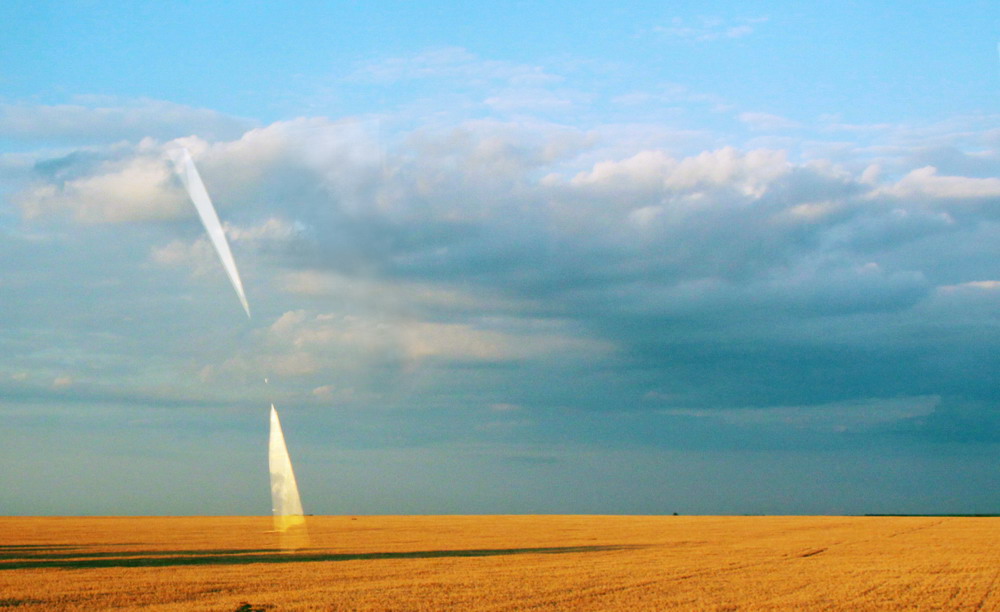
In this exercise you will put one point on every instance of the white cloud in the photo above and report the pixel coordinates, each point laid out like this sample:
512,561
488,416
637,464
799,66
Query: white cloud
811,212
675,96
199,256
301,343
114,119
270,229
422,340
767,122
453,63
655,171
984,285
895,144
135,189
325,392
709,28
749,172
926,182
644,170
528,99
987,285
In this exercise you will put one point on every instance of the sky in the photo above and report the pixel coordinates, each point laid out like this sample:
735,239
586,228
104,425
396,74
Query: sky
705,258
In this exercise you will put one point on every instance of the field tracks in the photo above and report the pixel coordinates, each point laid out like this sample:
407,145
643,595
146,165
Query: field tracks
478,563
917,528
980,605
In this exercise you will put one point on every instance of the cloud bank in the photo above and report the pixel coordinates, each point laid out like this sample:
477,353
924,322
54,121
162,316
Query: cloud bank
523,275
725,278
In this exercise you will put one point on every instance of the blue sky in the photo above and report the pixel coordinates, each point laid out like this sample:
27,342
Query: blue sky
696,257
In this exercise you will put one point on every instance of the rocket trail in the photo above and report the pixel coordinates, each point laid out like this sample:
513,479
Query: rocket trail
188,173
285,501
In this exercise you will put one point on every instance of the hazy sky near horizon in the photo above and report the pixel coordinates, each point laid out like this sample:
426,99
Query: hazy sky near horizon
712,257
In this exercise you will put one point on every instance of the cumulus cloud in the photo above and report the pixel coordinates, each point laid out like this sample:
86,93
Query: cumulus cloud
927,183
477,204
725,168
126,190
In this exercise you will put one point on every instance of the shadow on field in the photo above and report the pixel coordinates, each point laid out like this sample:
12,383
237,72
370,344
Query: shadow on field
34,558
28,553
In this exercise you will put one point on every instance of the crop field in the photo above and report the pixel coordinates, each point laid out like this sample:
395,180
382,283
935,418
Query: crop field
502,563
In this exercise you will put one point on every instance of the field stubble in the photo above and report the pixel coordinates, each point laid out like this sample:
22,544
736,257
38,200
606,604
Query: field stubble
502,563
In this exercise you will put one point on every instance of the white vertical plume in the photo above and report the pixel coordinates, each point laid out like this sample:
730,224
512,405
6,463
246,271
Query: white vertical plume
285,501
186,169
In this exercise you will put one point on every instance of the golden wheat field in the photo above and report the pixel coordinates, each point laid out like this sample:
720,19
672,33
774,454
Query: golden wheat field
502,563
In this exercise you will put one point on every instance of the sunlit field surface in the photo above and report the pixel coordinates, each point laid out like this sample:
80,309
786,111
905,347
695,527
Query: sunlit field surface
502,563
